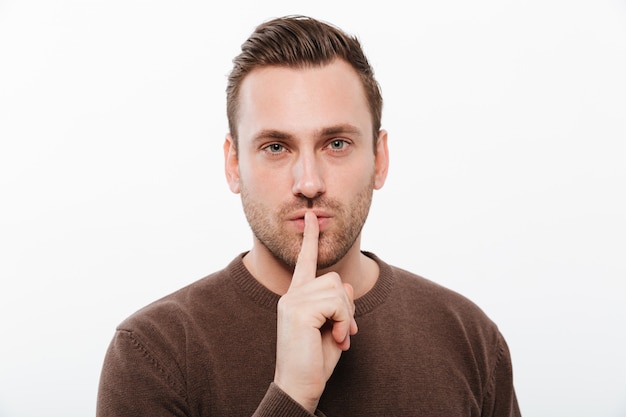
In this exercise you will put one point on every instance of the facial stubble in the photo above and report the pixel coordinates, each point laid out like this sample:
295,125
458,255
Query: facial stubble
269,225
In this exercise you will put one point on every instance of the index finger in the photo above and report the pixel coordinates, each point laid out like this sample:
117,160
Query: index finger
306,265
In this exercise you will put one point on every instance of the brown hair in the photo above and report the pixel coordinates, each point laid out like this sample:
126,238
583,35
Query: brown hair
300,41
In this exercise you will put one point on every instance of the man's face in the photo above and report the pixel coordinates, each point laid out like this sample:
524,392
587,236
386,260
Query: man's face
305,143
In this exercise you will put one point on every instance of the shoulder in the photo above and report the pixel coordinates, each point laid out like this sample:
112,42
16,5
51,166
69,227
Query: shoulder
409,287
427,303
173,312
448,320
441,302
430,292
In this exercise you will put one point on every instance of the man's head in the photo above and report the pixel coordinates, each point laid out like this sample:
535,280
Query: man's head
299,42
304,134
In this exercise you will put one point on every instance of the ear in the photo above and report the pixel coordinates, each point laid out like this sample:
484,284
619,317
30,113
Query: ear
231,164
382,160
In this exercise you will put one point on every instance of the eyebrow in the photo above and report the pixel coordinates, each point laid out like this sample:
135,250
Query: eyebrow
338,129
327,131
271,134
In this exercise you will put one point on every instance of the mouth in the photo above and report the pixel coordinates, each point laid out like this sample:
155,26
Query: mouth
297,220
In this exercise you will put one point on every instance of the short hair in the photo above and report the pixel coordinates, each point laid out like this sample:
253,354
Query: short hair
298,42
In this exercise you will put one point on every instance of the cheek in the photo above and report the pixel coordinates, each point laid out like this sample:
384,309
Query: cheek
357,177
264,184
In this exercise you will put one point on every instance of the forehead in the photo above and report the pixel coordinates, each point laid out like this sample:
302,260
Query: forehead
302,99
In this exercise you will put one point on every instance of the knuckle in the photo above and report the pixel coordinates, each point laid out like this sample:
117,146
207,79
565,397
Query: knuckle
285,303
333,279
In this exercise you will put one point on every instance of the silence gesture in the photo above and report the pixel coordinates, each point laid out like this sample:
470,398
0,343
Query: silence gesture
315,322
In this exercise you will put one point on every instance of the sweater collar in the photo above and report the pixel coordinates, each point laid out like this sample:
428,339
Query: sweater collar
247,284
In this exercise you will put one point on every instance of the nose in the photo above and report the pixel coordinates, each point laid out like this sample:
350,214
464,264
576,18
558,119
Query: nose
307,176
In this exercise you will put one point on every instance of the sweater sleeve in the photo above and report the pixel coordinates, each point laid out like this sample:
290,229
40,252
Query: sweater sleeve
277,403
500,399
134,382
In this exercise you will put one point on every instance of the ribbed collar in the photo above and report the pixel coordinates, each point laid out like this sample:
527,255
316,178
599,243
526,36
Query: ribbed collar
262,296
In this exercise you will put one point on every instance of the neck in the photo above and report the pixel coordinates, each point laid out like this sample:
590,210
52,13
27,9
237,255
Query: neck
354,268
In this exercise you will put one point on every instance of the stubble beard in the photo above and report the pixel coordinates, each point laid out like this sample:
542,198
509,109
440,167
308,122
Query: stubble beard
269,225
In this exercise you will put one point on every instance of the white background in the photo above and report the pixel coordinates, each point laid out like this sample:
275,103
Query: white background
507,124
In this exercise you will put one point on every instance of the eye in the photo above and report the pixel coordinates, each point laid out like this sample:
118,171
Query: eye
337,144
274,148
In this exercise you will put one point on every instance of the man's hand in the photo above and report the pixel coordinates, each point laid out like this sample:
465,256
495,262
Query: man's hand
315,322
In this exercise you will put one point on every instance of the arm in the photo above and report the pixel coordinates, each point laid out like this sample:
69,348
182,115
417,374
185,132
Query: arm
500,399
135,382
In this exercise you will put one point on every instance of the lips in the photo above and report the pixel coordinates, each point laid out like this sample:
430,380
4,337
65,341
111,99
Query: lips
299,215
297,219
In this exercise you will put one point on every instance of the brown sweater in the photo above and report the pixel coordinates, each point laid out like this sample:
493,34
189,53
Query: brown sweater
209,350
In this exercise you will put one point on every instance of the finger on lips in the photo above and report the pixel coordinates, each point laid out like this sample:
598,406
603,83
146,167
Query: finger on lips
306,265
305,271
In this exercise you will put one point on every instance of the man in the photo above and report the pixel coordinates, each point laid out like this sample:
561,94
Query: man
305,323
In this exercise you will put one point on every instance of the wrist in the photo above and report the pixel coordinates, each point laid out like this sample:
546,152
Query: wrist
300,396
